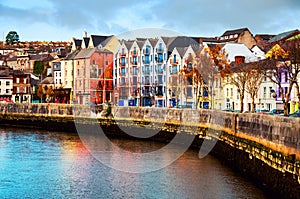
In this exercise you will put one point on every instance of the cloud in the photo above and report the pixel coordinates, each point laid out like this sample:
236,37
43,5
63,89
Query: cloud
189,17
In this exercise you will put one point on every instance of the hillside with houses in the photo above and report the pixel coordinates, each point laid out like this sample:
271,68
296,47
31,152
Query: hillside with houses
236,71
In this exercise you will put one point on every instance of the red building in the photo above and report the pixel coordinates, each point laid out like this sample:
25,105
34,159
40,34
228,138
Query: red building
93,76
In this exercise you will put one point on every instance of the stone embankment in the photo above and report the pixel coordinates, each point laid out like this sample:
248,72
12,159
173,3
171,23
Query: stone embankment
265,148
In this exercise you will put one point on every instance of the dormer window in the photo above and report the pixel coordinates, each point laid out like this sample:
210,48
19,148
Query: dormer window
226,37
236,35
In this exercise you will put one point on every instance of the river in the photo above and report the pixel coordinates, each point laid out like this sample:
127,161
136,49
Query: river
43,164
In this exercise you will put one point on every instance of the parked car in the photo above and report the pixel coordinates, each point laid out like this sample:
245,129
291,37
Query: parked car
228,110
296,114
261,111
276,112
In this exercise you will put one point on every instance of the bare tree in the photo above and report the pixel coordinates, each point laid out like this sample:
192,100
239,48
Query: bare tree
239,77
253,84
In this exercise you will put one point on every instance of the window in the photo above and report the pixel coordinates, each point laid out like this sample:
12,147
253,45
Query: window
227,92
271,90
7,83
265,92
18,80
25,80
286,77
231,92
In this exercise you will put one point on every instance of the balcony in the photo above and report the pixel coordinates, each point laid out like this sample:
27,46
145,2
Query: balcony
146,62
159,50
134,62
122,54
159,71
173,62
134,53
146,72
159,60
146,51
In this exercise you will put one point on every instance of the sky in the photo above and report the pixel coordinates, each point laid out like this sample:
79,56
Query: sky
59,20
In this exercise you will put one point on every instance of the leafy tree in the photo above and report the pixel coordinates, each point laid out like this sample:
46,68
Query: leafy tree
38,67
12,37
275,68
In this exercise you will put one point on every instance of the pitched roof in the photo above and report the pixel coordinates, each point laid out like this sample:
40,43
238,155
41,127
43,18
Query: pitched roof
85,53
282,36
235,31
206,39
153,41
264,37
181,50
41,57
233,49
140,44
48,80
128,44
86,41
71,55
77,42
98,39
180,41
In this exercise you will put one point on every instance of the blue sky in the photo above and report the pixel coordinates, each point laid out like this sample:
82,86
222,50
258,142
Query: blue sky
59,20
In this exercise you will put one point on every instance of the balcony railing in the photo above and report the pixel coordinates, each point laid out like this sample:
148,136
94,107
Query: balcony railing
122,54
146,72
159,50
173,63
134,53
146,51
159,71
146,62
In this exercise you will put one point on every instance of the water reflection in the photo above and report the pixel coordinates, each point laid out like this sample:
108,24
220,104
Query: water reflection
41,164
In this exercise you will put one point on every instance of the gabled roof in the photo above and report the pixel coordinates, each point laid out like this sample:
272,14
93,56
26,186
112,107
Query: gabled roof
235,31
233,49
85,53
196,47
181,50
41,57
103,43
180,41
99,39
77,42
264,37
206,39
128,44
282,36
140,43
86,41
71,55
153,41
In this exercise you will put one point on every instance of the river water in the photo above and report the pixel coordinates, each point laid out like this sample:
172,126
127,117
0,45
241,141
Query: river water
43,164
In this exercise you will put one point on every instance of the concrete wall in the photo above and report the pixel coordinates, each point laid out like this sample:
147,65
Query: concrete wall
263,147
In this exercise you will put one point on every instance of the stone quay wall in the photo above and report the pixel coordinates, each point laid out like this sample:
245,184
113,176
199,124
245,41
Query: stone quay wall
263,147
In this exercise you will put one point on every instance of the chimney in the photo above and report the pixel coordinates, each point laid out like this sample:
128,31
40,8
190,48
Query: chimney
84,34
